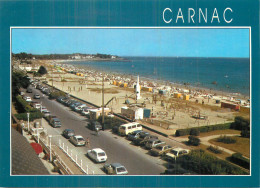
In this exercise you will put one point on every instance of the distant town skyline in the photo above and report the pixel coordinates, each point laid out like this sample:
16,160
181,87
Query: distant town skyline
166,42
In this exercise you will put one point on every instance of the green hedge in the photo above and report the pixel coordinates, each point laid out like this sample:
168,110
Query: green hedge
243,125
202,129
204,163
33,116
23,106
110,122
56,94
226,139
240,160
194,141
214,149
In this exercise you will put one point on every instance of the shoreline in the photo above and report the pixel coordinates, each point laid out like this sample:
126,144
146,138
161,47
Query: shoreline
201,89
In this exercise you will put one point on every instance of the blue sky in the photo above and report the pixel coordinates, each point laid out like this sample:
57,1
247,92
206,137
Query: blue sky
134,42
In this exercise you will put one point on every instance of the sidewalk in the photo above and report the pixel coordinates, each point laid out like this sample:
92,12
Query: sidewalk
70,158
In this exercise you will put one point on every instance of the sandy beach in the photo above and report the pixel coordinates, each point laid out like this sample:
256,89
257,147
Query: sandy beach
168,111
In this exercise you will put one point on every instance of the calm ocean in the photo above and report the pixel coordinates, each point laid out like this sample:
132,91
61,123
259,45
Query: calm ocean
227,74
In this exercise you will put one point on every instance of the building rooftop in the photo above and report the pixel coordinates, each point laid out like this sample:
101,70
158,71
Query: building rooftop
24,159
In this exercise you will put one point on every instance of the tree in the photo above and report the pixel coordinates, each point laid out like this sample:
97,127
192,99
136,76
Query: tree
42,70
194,141
19,79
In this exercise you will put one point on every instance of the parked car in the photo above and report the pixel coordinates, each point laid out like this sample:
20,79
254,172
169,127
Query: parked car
37,106
85,110
27,99
127,128
67,133
115,169
78,140
143,138
74,104
69,102
44,109
55,122
61,99
160,150
176,152
94,125
97,155
153,142
22,93
39,87
134,135
79,108
36,96
46,114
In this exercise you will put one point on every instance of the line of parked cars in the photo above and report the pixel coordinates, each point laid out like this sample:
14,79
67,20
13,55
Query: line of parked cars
96,154
133,132
80,108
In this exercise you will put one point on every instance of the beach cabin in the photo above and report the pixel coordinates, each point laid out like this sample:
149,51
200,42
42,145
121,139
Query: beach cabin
95,113
133,113
186,97
230,105
149,89
177,95
114,83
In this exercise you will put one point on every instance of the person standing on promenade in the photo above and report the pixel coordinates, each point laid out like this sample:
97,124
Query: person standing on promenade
97,131
88,142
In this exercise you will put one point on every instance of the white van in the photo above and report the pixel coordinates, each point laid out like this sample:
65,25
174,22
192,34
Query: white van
125,129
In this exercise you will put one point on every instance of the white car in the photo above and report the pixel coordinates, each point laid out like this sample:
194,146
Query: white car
37,106
80,107
78,140
176,152
44,109
97,155
115,169
27,99
85,110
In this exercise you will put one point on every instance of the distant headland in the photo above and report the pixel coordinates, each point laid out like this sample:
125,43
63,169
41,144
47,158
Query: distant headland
70,57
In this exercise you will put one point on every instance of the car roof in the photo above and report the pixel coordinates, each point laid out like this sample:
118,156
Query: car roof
153,139
78,136
69,130
98,150
178,149
137,131
116,165
56,119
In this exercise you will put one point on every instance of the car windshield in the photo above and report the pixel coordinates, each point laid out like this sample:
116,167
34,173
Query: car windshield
174,152
121,169
80,139
102,154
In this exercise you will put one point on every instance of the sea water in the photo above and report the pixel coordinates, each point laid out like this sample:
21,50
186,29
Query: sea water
224,74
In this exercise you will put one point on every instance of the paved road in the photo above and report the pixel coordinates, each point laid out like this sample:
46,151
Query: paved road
118,149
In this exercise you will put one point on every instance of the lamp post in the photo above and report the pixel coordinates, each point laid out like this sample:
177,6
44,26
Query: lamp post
50,136
103,118
38,135
175,164
28,116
